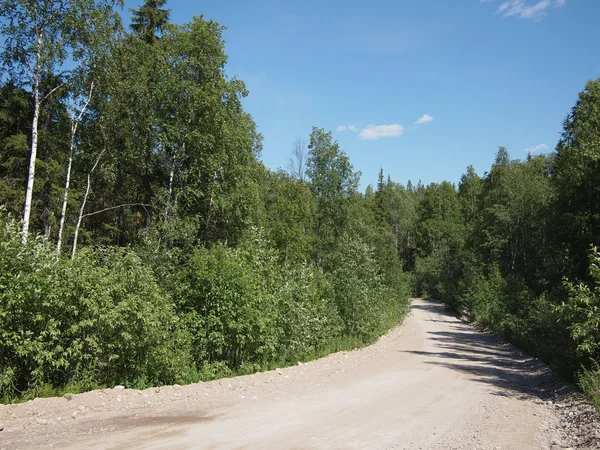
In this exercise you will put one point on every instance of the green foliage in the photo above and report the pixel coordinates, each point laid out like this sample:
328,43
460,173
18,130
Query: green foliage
289,215
589,382
333,182
575,176
195,261
499,250
227,298
366,305
149,19
308,315
98,319
581,311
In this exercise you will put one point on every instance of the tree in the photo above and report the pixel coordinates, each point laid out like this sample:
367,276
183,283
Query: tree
576,178
76,116
149,20
16,107
380,182
469,192
289,211
297,165
41,36
514,215
333,181
581,311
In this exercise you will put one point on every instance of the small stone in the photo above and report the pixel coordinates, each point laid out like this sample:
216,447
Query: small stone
254,397
176,387
278,371
74,415
148,403
1,427
119,398
299,363
119,388
68,396
42,421
81,408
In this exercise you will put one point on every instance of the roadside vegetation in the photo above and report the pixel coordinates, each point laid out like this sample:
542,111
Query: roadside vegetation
515,248
155,248
142,241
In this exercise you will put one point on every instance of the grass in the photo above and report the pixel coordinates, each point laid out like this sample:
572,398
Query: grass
589,383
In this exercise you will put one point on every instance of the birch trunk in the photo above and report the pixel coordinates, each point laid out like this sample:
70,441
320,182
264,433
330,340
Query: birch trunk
34,142
171,175
83,202
74,125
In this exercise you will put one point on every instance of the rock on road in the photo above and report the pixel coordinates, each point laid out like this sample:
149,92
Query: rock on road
432,383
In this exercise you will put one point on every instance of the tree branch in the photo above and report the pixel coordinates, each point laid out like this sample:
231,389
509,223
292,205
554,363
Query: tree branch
115,207
53,91
87,102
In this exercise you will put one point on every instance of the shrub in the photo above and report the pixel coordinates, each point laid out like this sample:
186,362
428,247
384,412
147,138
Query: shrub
308,316
227,299
99,319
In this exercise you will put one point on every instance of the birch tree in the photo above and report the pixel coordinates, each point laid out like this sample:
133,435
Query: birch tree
297,164
47,37
76,115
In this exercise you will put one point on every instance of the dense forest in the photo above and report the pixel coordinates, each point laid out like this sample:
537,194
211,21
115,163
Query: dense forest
143,242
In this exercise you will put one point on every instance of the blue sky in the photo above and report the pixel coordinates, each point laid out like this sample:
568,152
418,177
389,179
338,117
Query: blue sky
421,88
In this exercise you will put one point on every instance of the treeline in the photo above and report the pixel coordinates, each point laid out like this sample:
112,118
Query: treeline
154,247
515,248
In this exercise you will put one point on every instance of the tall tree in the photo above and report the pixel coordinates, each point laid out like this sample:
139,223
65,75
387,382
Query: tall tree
149,20
297,165
41,36
577,177
334,182
16,107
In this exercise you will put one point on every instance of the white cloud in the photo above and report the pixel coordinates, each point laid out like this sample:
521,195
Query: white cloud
380,131
352,128
537,148
425,118
524,9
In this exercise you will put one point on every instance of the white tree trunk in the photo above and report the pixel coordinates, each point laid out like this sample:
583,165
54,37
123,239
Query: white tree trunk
66,195
171,175
74,125
34,142
83,202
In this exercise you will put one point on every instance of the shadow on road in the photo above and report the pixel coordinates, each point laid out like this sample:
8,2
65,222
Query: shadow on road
484,357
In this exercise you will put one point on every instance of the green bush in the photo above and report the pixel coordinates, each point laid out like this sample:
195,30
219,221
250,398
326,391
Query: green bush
99,319
227,299
308,314
581,311
366,305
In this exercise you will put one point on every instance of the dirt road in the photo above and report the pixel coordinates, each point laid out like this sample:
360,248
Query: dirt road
433,383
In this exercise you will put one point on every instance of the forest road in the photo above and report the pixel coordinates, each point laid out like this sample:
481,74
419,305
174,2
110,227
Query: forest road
432,383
